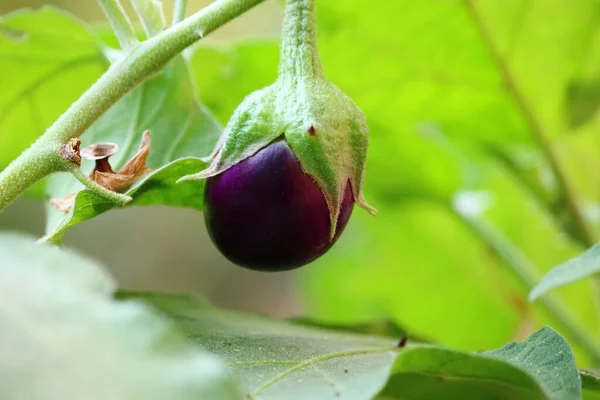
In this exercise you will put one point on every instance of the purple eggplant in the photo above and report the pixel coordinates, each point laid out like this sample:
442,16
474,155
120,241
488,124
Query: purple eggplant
290,164
265,213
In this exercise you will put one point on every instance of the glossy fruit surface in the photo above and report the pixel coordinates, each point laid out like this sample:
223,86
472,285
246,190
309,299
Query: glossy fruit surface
265,213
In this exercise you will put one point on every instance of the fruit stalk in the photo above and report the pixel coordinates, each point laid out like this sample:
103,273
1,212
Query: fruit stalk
299,54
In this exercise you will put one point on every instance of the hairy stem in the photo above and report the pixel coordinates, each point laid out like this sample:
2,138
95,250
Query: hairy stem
179,11
525,271
120,23
585,233
144,60
26,170
299,54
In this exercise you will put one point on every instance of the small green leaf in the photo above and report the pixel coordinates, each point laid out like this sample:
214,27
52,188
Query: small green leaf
281,360
591,385
181,127
47,59
63,336
583,266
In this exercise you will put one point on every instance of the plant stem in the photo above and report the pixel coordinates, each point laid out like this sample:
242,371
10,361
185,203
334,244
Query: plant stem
145,60
179,11
120,23
299,55
27,169
525,271
585,232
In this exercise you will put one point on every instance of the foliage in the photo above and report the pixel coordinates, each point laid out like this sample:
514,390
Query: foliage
63,336
483,163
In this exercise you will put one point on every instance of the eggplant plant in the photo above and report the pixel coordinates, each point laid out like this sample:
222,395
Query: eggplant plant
461,109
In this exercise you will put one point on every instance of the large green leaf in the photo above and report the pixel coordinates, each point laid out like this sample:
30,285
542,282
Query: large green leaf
47,59
181,128
280,360
62,336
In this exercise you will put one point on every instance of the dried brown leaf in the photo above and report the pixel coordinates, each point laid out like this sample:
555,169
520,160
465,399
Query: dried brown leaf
103,173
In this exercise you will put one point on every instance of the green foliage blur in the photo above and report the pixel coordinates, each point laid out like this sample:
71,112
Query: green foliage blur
484,158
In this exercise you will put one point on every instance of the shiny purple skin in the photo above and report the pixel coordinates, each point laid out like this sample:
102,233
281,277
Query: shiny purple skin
266,214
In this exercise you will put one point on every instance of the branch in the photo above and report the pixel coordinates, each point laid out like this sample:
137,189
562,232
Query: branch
120,23
145,60
27,169
586,234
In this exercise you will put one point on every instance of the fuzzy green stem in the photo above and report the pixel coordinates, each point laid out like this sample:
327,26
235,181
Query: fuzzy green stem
120,23
150,13
145,60
179,11
299,54
26,170
584,232
118,198
525,271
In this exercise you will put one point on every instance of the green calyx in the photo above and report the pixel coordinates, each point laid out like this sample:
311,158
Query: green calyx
324,128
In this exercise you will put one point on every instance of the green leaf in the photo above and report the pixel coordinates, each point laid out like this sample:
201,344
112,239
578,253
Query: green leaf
62,336
591,385
583,266
47,59
181,127
428,372
158,188
281,360
278,360
559,376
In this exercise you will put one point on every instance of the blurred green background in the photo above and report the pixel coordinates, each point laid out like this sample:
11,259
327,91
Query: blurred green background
483,161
